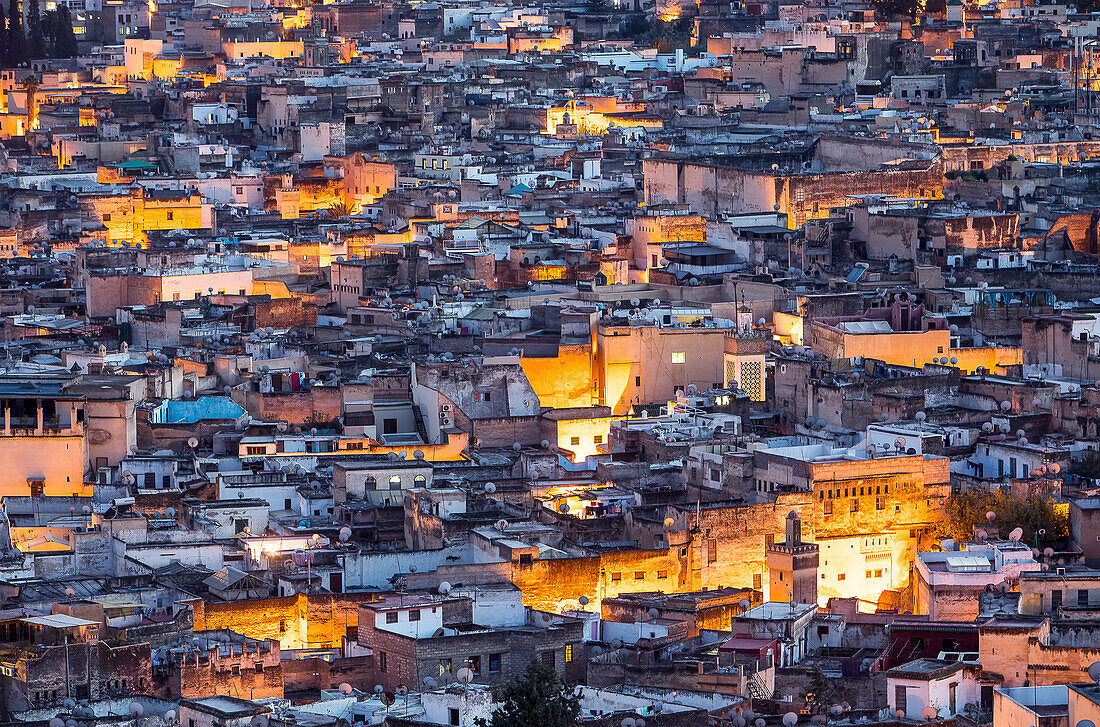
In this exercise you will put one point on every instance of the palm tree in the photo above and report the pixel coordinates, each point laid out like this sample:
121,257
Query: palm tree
337,210
30,85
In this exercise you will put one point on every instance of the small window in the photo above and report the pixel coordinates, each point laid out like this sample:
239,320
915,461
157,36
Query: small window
616,576
568,653
259,667
574,441
662,575
381,661
840,576
391,617
639,575
678,357
414,615
494,662
598,439
452,716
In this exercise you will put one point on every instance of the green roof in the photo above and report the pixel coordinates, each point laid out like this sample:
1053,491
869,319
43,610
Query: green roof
136,164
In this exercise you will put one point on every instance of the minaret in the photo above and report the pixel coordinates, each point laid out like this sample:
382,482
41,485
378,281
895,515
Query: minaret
792,566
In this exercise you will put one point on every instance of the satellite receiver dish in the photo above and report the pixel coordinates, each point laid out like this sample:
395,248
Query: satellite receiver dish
1016,534
1094,674
465,675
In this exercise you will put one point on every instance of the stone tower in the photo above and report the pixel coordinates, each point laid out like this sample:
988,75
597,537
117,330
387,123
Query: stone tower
792,566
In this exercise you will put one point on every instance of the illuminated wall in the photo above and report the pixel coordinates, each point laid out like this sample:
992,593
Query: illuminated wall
57,460
317,621
645,364
583,437
564,381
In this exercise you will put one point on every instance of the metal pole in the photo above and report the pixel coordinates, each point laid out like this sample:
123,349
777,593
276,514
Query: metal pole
68,690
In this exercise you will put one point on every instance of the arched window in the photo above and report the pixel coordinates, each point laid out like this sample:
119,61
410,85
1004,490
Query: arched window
395,482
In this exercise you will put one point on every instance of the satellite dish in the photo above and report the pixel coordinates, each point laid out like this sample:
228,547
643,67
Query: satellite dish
929,713
790,719
1016,534
583,600
465,675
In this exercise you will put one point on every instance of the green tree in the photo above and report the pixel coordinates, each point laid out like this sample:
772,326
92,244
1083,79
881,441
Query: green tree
967,512
36,41
1088,466
65,39
538,698
897,8
17,55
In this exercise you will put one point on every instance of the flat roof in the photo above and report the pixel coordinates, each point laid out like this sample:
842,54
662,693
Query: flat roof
59,621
